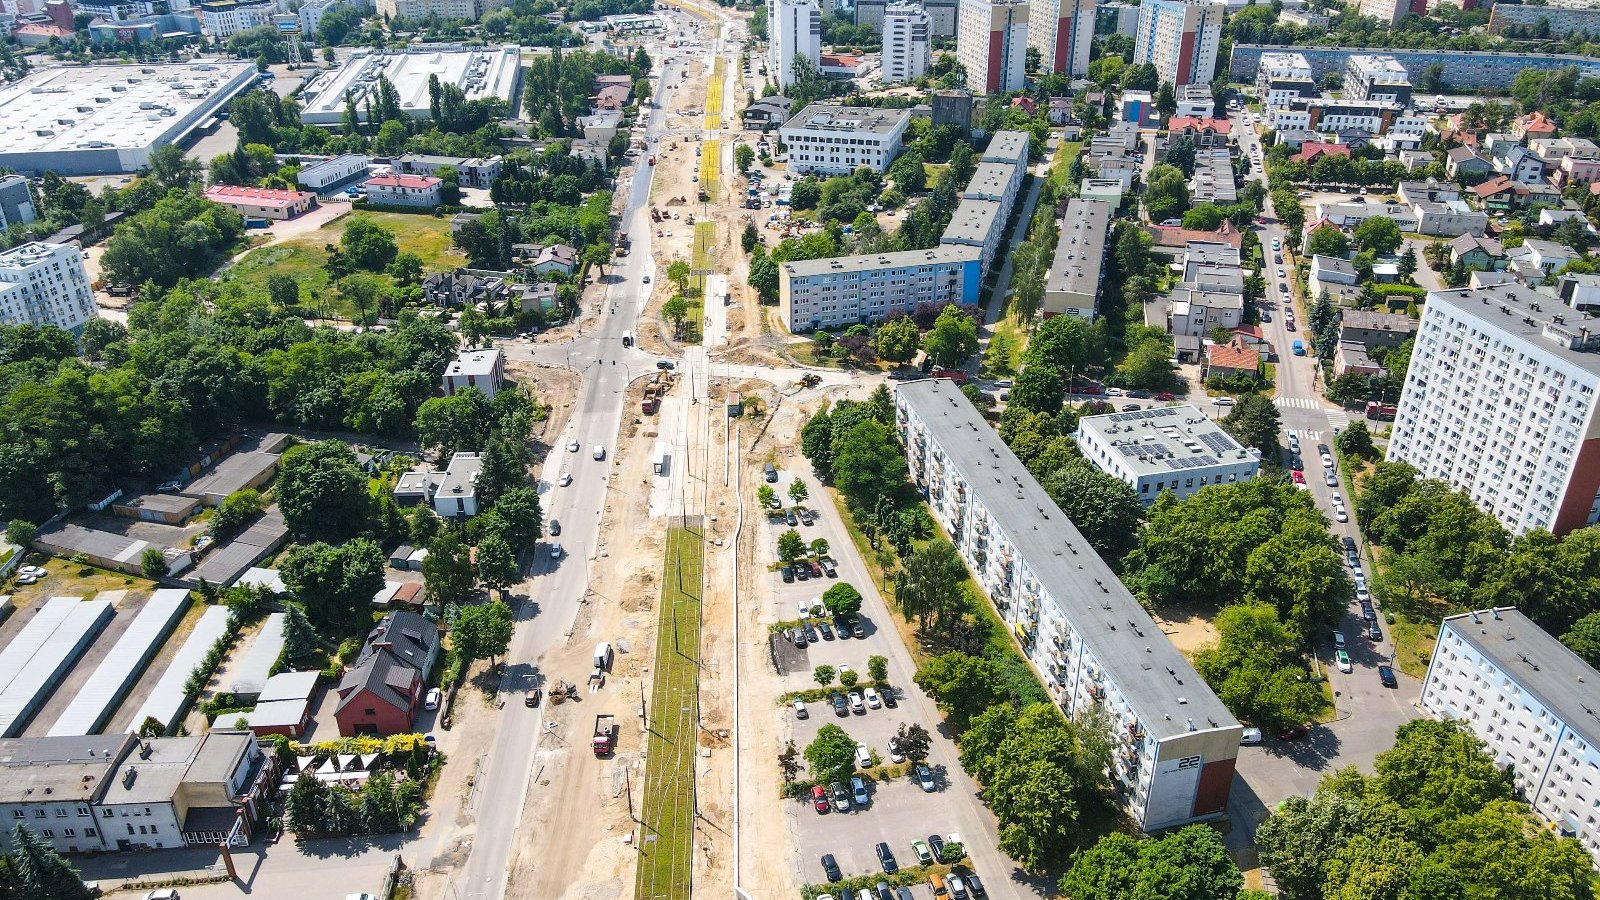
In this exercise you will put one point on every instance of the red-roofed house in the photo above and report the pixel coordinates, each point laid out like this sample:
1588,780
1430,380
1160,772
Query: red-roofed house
403,190
263,202
1532,125
1230,359
37,34
612,96
841,65
1311,151
1251,336
1172,239
1025,104
1204,132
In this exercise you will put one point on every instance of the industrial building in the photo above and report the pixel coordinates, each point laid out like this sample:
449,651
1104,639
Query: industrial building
1165,448
95,120
830,139
265,203
1531,700
480,73
99,696
1093,645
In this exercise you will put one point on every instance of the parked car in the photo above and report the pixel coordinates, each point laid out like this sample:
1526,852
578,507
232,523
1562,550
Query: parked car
863,757
1374,633
924,855
1349,543
800,709
840,707
937,843
1293,733
1386,677
1340,514
788,574
871,696
856,706
841,797
1342,660
886,858
791,519
889,701
826,629
1338,640
566,479
802,572
1250,737
1367,612
828,567
973,884
1330,479
830,867
925,778
958,888
895,756
858,791
555,527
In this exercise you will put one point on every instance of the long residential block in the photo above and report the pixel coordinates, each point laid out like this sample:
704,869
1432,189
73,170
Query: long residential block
1462,68
1091,642
1532,701
843,291
1072,286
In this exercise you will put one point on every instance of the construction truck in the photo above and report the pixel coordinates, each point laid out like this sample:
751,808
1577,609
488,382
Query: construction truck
605,730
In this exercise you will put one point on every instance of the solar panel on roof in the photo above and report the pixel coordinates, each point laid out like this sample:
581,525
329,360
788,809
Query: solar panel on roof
1217,441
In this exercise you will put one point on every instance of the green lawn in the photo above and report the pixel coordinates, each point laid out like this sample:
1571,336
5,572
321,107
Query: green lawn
666,843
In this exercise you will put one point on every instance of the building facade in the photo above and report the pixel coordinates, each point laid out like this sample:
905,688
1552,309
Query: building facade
795,30
225,18
1283,78
266,203
404,190
1092,644
907,42
1390,12
992,43
836,140
1463,69
1530,699
414,10
16,202
45,284
481,369
844,291
1165,448
1062,31
1180,38
1500,401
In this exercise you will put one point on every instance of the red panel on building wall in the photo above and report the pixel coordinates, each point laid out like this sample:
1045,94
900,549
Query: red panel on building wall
1063,44
1185,58
992,83
1216,780
1585,481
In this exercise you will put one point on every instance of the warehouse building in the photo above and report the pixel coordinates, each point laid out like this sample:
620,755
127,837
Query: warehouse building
480,73
94,120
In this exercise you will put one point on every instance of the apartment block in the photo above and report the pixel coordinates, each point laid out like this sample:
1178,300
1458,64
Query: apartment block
1072,286
1180,37
45,284
1284,78
907,42
1390,12
1092,644
226,18
794,29
1499,401
1165,448
1375,77
992,43
16,202
1554,21
1531,701
1463,69
1062,30
978,224
836,140
844,291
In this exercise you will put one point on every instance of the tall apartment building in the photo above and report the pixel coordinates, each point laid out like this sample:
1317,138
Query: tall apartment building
1500,401
943,14
1092,644
16,202
1532,702
794,29
1377,78
1284,78
1180,38
870,13
1072,286
1062,30
907,42
849,290
1390,12
992,44
45,284
836,140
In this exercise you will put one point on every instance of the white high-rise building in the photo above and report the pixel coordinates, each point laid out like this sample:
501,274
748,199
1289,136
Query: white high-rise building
907,42
1500,401
1532,702
1180,38
992,44
794,28
45,284
1062,31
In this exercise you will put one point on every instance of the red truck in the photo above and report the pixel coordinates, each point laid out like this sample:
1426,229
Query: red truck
1382,412
959,376
652,159
605,730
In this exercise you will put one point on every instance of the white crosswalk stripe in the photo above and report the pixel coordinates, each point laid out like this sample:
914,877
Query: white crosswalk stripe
1306,434
1338,419
1296,402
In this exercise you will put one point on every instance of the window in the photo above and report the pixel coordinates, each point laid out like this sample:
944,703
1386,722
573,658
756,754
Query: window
370,711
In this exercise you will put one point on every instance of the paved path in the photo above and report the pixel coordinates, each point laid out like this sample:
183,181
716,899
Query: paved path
1002,285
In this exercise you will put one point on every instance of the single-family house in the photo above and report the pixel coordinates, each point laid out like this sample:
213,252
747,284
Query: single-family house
1327,273
1465,163
561,258
1537,258
1520,165
1532,125
1230,360
1370,329
766,113
1205,132
404,190
1060,111
464,288
1311,151
483,369
1351,358
1474,252
380,694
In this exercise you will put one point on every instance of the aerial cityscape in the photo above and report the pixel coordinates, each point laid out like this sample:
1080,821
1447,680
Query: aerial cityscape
812,449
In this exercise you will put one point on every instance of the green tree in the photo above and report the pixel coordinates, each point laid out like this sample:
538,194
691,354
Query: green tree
21,532
40,871
322,492
676,312
750,238
368,245
824,675
235,510
497,564
897,339
1408,263
1304,835
765,495
447,569
152,564
953,338
831,755
336,584
1104,508
483,631
1378,234
283,289
878,668
1355,441
791,546
1038,389
798,492
1167,193
461,421
523,519
1253,422
1583,638
1060,342
1438,770
912,739
928,587
1327,240
1188,864
743,157
868,464
1166,99
842,599
962,685
172,168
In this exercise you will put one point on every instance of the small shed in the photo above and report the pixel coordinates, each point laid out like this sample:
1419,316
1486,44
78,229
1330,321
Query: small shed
284,706
735,404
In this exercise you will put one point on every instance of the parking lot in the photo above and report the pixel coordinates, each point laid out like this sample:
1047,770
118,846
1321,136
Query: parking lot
898,811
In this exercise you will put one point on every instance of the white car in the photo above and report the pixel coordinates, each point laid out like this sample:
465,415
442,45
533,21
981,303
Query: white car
1280,273
863,756
1115,392
873,700
555,551
162,894
808,607
1340,514
1342,660
33,571
895,756
1222,401
566,479
434,698
1327,460
1337,500
1250,737
572,446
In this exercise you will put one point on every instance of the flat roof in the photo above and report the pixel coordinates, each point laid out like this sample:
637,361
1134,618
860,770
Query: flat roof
972,222
1521,313
1137,658
461,478
1007,146
990,179
72,768
944,254
289,686
166,503
1080,249
233,193
231,474
1165,439
72,108
480,73
474,362
848,119
1542,665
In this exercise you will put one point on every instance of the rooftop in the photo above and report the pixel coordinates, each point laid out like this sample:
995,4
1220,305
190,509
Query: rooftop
972,222
474,362
854,119
1165,692
1166,438
416,182
1372,320
1230,356
480,73
946,253
1080,248
1007,146
1380,69
1334,264
461,478
233,193
1179,123
1520,314
990,179
1540,664
34,770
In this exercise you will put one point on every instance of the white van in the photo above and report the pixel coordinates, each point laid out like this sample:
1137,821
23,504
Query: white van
599,451
602,655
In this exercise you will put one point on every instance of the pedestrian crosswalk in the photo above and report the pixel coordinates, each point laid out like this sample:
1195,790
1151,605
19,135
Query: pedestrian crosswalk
1296,403
1339,420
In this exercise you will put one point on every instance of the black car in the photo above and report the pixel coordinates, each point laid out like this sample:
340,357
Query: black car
826,629
886,858
903,893
555,527
802,572
663,363
810,633
1130,407
936,844
788,574
887,693
1374,634
800,639
841,707
973,884
830,867
1297,464
1139,395
791,518
1386,675
883,891
1367,612
1349,543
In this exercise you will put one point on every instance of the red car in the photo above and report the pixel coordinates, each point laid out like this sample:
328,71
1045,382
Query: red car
1090,389
1298,476
1293,734
819,798
1165,395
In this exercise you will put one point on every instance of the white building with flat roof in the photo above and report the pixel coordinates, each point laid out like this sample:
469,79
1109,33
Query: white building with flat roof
992,43
482,369
456,496
907,42
223,19
1376,77
1500,401
849,290
480,73
1531,700
1282,78
1072,286
1093,645
1165,448
45,284
95,120
830,139
794,29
